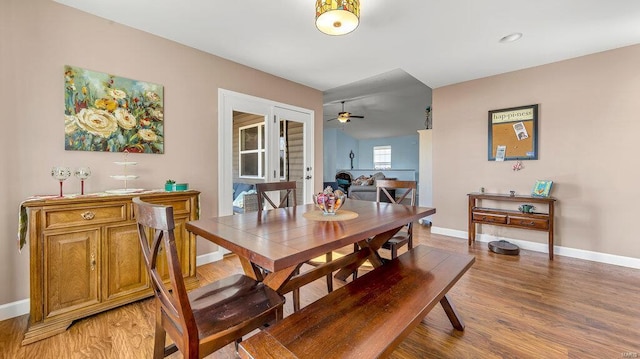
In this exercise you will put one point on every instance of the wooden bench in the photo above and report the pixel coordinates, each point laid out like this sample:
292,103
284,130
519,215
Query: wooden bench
370,316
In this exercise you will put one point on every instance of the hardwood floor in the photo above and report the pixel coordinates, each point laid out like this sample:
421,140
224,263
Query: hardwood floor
513,306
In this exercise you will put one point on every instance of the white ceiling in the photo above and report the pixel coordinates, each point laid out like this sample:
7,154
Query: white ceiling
436,43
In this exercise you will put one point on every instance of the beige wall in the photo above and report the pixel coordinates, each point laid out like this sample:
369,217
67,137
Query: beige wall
39,37
588,145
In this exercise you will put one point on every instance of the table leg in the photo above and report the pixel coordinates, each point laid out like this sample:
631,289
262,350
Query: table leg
372,245
278,279
349,269
378,240
451,312
250,269
471,227
351,261
551,225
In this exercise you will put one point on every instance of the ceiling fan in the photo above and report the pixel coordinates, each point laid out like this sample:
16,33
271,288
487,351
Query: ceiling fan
344,116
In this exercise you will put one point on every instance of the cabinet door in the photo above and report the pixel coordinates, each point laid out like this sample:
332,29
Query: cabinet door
71,271
124,270
185,208
183,247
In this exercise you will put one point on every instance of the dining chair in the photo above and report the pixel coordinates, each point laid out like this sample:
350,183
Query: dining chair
210,317
392,190
265,192
288,199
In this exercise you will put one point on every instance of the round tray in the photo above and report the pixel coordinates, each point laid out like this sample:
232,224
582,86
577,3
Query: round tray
504,247
340,215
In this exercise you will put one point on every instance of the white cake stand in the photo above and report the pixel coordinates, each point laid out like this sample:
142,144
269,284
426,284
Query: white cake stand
125,178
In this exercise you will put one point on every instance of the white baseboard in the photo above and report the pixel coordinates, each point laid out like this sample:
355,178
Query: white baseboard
209,257
21,307
449,232
629,262
14,309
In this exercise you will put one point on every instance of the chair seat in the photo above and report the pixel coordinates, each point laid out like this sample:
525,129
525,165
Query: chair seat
231,302
397,241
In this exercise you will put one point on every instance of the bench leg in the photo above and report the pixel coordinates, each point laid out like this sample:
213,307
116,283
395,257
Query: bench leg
453,315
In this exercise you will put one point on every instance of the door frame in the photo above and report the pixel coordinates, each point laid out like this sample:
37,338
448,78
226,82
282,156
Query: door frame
229,101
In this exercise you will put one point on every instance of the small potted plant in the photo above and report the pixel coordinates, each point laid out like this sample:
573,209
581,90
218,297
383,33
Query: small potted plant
170,185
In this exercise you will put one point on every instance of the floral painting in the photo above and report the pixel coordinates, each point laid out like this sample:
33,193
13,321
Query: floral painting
108,113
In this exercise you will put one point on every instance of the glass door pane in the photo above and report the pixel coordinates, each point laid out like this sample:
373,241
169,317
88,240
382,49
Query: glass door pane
293,162
248,147
292,155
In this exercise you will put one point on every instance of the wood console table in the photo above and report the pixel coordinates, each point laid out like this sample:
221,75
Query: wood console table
511,218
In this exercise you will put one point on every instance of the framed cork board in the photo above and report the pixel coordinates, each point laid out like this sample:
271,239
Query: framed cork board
513,133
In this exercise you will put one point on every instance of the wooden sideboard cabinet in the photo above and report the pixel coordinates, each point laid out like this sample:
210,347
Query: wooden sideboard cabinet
511,218
85,257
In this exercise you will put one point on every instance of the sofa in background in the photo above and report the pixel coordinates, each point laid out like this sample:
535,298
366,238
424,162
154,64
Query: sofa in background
245,198
364,188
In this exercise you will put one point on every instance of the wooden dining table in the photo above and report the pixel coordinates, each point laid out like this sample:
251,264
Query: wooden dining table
273,244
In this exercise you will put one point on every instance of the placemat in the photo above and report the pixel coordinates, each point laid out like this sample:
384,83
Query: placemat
341,215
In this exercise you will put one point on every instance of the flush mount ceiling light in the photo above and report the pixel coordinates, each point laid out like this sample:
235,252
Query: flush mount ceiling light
337,17
512,37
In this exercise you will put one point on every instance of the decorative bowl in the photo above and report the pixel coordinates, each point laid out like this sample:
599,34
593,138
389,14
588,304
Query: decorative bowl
329,203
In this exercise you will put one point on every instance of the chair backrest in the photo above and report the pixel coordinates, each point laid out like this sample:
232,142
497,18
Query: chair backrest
155,231
382,186
288,200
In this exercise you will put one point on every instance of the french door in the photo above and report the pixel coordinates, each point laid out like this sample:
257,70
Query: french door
262,141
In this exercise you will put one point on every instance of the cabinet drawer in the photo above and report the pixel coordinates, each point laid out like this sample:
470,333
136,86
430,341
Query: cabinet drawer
77,216
180,205
489,218
536,223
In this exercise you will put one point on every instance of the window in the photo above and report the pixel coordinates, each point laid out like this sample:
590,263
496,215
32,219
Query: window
382,157
251,151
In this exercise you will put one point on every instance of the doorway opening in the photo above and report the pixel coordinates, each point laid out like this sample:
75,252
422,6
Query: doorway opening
262,141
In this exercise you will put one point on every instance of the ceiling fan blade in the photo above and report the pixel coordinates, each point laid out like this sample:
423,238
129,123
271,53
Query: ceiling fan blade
355,116
331,119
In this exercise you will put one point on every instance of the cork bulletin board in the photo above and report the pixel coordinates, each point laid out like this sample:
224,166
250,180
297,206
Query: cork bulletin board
513,133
